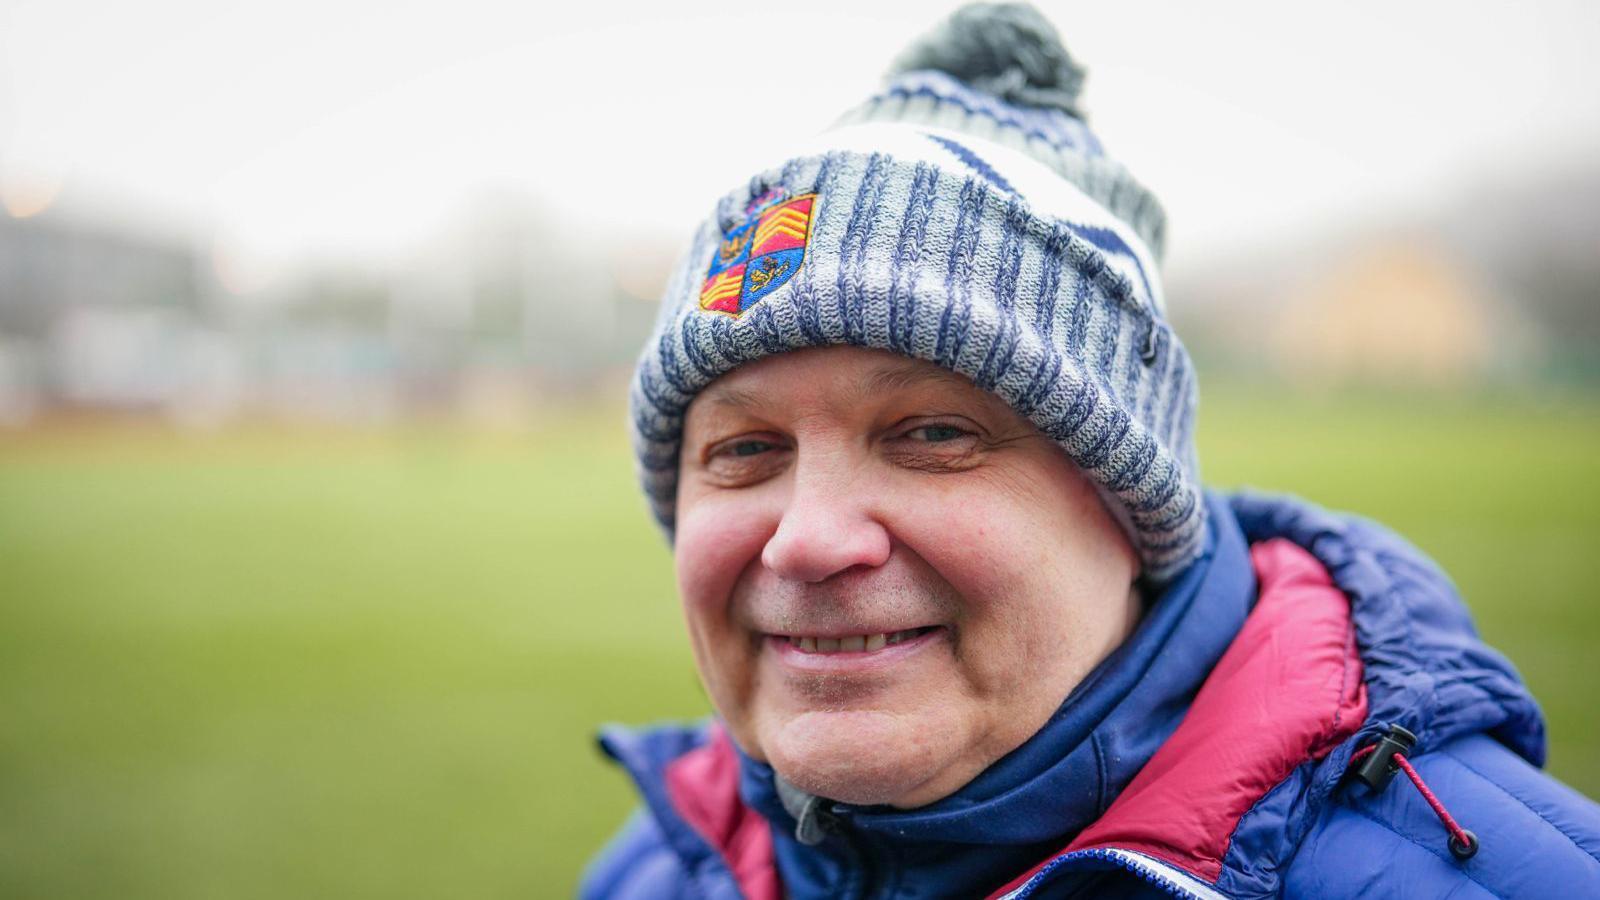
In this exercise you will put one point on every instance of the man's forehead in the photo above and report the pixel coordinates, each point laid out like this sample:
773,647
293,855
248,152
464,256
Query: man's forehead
757,386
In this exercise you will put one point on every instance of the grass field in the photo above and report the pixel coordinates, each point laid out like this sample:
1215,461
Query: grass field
272,664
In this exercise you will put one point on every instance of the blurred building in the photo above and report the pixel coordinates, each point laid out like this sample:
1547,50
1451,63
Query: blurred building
1502,286
1396,312
95,318
504,311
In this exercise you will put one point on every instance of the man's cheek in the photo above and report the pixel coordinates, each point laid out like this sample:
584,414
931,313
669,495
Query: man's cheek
958,539
710,551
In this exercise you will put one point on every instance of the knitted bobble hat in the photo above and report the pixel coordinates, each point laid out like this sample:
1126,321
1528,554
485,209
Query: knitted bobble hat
965,215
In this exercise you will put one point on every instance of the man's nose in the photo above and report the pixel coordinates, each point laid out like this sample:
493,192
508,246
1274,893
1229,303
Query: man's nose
827,527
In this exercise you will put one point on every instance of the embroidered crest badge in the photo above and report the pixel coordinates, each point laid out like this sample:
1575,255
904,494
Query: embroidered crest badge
761,253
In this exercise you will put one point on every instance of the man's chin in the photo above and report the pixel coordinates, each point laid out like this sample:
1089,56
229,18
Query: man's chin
861,757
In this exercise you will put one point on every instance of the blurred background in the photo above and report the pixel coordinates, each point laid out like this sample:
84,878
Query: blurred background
320,555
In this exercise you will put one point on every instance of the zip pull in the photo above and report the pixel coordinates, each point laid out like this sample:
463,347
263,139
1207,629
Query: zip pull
1375,766
812,820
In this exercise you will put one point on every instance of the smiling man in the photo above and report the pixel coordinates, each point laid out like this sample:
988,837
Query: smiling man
922,437
891,579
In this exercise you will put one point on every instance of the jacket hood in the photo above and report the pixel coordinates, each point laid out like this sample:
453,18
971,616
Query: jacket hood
1416,661
1425,666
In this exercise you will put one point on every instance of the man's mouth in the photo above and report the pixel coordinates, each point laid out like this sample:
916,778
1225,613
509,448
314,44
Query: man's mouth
854,643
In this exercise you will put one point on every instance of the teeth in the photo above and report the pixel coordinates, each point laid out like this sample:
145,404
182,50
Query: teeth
855,643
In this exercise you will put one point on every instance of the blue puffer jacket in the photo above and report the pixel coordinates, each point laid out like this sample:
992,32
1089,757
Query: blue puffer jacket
1214,754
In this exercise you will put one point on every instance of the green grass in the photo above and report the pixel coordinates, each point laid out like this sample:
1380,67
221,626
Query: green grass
267,664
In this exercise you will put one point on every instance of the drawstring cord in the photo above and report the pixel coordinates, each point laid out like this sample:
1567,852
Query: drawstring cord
1387,756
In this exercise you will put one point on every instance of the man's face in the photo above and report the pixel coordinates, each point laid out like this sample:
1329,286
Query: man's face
890,578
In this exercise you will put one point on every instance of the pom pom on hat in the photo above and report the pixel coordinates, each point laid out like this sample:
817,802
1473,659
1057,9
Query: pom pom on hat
1008,50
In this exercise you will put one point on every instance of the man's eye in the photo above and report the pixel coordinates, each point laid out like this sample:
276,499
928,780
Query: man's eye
743,448
937,434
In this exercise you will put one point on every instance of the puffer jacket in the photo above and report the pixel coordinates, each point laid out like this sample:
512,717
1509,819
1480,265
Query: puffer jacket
1307,711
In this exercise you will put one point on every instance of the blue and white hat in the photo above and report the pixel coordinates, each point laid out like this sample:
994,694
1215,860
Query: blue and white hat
965,215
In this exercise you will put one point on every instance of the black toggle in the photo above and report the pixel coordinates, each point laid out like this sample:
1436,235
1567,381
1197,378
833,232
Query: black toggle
1379,767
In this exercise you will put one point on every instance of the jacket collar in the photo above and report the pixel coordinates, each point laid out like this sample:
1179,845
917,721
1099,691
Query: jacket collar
1061,779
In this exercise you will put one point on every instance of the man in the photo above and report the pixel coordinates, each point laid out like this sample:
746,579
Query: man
922,437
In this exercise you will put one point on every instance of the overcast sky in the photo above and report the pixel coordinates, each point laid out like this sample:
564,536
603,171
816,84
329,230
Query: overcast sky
353,126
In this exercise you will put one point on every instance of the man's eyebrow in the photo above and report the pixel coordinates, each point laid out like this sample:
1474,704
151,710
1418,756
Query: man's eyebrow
887,378
907,374
723,395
